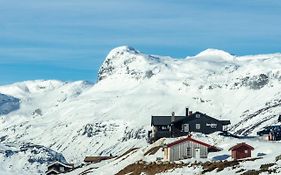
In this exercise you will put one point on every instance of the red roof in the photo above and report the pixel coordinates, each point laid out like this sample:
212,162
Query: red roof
243,144
188,138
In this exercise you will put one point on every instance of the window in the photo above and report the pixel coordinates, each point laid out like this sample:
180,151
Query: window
246,151
61,169
212,125
188,152
197,115
197,126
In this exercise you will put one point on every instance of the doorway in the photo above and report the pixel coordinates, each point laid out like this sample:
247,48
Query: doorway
186,127
197,153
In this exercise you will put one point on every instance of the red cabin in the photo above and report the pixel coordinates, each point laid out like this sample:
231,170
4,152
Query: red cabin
241,150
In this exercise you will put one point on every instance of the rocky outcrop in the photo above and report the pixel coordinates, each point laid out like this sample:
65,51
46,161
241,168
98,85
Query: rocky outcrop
8,104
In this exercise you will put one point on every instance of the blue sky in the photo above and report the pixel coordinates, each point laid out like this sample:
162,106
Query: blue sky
69,39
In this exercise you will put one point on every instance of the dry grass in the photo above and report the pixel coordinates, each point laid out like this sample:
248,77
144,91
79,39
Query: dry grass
251,172
221,165
158,167
278,158
263,168
210,166
149,168
96,159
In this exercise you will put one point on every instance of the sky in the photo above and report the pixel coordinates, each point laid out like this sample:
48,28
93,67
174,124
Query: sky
69,39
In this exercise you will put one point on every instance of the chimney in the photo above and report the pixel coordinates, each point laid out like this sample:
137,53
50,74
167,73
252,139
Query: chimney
173,118
190,113
186,111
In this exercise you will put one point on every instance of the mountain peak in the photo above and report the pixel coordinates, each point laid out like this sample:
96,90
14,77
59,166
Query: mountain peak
122,60
211,51
122,50
215,55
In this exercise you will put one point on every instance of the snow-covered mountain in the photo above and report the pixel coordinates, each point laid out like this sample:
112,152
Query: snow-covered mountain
76,119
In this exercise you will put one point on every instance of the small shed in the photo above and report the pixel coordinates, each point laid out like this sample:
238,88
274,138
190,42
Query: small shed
187,148
58,167
96,159
241,151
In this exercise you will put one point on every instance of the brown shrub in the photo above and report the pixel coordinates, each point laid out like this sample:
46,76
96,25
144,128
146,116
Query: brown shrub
265,167
149,168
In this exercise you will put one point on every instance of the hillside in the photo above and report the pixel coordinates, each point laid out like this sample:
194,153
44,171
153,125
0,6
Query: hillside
76,119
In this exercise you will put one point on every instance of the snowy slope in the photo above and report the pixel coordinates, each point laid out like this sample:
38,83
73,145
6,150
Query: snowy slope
113,115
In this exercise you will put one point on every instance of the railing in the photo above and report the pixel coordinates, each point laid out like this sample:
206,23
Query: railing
165,134
177,133
157,135
161,134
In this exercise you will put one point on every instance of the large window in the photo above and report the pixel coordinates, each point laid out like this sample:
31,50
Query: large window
164,128
197,126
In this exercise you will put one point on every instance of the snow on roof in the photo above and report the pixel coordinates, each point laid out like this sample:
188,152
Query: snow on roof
63,164
52,170
243,144
188,138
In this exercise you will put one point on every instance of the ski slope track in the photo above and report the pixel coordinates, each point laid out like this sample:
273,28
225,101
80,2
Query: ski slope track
70,120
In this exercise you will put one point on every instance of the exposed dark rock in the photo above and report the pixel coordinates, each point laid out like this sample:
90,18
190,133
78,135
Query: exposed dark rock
41,154
255,82
88,130
231,68
8,104
35,153
98,128
149,74
3,138
259,82
37,112
9,153
133,134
